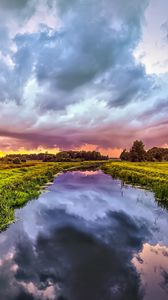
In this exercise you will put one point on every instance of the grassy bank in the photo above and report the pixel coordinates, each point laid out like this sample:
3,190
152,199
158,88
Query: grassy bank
151,175
20,183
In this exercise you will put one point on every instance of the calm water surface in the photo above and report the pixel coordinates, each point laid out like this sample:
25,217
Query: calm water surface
86,238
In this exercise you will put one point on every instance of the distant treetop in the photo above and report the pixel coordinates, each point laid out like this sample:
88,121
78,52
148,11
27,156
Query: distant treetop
137,153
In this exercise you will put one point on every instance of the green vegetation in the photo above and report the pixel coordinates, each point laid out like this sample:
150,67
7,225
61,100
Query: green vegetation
63,156
137,153
21,182
151,175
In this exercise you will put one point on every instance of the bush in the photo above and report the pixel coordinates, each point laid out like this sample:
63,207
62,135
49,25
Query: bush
17,160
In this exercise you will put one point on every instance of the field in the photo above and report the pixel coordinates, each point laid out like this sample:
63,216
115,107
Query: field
20,183
151,175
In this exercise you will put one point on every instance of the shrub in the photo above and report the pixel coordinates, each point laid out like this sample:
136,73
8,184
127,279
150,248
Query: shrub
16,160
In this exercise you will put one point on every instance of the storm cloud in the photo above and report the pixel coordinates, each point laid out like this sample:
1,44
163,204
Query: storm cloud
68,72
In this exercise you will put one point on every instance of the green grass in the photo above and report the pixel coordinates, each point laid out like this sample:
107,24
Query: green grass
20,183
151,175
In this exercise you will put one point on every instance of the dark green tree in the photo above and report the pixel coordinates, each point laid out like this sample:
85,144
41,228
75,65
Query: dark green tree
125,155
157,154
137,152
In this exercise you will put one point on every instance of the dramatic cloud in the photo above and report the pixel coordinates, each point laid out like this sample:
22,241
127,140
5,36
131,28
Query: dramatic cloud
70,76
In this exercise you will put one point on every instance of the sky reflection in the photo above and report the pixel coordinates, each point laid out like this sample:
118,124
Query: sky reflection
86,237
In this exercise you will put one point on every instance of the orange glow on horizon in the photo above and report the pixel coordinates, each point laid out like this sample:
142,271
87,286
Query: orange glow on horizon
23,150
111,152
165,146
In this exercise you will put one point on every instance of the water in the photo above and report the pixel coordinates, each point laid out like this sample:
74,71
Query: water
86,238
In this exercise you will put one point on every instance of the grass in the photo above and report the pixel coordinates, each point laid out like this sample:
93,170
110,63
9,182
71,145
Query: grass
151,175
20,183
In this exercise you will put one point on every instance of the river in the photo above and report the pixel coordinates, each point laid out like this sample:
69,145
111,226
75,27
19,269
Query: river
87,237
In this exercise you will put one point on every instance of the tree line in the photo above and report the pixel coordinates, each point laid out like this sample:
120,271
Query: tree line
138,153
63,156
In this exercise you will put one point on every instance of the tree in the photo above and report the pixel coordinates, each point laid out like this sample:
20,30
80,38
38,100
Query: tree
125,155
137,152
157,154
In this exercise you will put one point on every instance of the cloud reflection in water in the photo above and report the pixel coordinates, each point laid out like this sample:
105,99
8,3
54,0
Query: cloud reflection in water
87,237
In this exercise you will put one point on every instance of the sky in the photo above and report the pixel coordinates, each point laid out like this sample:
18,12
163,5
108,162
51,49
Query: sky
83,74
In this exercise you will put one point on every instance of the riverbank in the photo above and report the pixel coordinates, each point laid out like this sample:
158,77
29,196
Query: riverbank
84,232
21,183
150,175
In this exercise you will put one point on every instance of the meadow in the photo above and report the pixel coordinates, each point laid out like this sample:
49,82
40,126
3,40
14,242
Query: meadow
150,175
20,183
